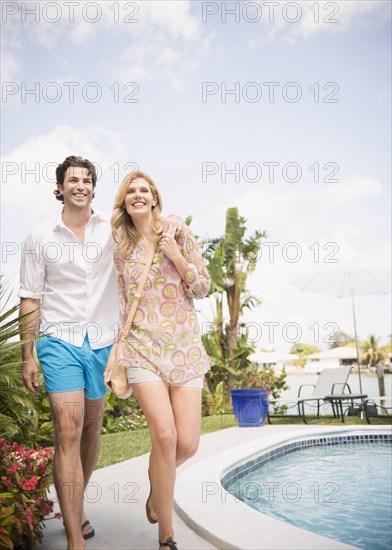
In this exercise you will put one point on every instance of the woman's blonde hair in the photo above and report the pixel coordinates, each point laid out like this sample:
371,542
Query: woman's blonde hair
123,229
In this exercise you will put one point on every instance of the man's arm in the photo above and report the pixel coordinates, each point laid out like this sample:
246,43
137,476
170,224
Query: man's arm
29,324
172,224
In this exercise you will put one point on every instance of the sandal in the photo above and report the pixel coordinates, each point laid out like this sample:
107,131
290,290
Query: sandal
148,513
87,535
170,543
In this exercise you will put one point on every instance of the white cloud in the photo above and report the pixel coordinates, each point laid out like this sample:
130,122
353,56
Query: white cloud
173,16
22,189
355,188
348,14
346,230
167,38
324,17
9,66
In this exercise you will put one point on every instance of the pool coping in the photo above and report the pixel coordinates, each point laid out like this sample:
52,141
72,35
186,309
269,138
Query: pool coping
203,504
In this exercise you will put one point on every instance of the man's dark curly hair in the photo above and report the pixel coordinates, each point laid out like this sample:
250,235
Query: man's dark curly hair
73,161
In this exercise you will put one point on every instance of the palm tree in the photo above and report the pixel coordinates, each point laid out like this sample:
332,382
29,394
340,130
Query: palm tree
230,259
372,355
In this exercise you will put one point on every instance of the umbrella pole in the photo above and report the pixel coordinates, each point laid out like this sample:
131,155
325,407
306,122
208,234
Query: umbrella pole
355,334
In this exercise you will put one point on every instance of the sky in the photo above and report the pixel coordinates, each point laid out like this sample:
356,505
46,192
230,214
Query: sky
281,109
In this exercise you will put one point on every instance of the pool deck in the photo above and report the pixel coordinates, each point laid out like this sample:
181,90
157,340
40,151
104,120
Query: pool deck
205,515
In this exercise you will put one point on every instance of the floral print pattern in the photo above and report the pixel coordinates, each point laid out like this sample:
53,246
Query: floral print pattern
165,336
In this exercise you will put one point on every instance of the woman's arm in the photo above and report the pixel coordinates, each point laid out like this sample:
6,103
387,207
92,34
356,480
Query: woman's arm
122,292
188,261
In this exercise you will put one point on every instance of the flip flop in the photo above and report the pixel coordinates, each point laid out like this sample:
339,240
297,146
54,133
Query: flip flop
87,535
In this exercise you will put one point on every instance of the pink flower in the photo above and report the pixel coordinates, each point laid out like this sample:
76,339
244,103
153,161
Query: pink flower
2,531
12,468
58,515
47,508
30,484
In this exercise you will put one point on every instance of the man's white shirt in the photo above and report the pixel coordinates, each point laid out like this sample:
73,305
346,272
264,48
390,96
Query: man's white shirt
75,282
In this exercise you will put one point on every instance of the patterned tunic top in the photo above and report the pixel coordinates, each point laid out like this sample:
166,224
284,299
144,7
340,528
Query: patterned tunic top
165,335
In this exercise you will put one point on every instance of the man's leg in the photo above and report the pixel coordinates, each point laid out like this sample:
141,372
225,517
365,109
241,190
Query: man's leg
68,413
90,442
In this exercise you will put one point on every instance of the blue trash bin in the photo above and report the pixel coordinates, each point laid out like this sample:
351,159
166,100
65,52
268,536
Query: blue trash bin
250,406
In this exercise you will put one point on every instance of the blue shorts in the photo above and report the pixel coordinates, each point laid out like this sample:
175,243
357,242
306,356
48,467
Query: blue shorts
69,368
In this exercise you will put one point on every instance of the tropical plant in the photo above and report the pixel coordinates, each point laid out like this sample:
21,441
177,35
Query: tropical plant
24,481
303,350
17,408
341,339
254,377
218,378
230,259
371,353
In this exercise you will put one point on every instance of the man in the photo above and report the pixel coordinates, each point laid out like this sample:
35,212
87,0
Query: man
68,291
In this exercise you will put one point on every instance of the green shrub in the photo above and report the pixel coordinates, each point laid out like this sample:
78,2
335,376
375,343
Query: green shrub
25,476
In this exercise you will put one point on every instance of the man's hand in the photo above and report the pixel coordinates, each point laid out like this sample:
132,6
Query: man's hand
172,225
169,247
30,375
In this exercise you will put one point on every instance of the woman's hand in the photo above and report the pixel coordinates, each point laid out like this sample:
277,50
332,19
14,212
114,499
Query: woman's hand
169,247
107,376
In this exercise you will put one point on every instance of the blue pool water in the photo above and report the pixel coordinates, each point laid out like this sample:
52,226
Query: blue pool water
340,491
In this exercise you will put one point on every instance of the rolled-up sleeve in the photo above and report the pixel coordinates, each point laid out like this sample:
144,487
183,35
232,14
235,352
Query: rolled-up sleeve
197,279
32,269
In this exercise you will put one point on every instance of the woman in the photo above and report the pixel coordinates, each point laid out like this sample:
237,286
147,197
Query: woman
164,348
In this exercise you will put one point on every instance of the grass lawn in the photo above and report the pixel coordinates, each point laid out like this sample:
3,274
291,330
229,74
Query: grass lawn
124,445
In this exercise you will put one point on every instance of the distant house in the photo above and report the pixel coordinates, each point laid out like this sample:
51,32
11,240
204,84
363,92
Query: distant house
331,359
275,359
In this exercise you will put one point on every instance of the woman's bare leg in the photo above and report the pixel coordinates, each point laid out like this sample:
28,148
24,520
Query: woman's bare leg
154,399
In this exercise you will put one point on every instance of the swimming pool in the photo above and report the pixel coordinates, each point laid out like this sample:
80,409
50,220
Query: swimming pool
338,486
227,522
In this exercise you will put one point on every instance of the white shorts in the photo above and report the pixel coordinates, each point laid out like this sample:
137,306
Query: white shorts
136,375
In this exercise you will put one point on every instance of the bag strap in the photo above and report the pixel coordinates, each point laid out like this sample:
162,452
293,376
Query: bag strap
137,297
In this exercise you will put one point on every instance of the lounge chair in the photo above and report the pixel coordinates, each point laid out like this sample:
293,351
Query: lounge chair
376,410
330,381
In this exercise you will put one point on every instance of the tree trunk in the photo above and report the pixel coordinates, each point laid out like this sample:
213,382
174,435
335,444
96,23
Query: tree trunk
381,381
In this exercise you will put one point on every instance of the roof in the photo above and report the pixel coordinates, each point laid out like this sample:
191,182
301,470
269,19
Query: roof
272,356
341,352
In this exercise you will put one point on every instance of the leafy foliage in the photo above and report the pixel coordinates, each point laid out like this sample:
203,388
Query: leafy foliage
24,480
303,350
230,259
17,410
341,339
122,415
253,377
371,353
23,417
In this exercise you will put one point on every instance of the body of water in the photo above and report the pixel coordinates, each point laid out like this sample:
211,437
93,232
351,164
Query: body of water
318,489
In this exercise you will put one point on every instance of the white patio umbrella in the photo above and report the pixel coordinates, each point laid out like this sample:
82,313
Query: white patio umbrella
347,283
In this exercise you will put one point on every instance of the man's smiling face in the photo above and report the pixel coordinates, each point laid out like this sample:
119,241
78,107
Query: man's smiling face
77,189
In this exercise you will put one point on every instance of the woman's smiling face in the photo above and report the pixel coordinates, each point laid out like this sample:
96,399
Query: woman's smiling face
139,198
